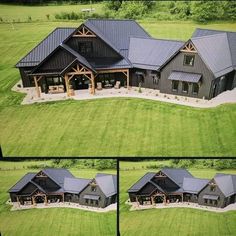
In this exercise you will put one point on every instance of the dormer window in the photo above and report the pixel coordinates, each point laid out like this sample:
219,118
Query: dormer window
93,188
189,60
213,188
85,48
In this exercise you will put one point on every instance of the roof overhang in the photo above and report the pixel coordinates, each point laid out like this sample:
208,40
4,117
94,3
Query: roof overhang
185,76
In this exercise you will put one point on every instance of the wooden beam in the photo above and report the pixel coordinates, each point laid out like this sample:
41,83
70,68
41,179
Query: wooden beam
67,85
93,83
127,77
63,198
18,201
36,86
45,200
112,71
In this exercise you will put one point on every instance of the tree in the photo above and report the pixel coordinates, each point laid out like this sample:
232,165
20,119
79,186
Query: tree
230,10
114,5
204,11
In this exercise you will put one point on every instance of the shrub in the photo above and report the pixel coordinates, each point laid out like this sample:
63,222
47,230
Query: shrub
29,18
48,16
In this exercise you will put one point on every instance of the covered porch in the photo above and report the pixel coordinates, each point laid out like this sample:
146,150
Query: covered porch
78,77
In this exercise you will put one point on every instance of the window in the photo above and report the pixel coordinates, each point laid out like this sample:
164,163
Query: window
86,201
91,202
205,201
210,201
154,80
93,188
85,48
175,85
195,88
213,188
189,60
184,87
96,202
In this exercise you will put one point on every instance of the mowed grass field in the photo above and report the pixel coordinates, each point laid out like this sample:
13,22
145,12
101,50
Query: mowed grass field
54,221
107,127
175,221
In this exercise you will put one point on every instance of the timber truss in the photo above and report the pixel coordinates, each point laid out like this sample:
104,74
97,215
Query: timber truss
84,32
189,47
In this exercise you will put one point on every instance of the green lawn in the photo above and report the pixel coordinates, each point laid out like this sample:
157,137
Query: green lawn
170,221
108,127
55,221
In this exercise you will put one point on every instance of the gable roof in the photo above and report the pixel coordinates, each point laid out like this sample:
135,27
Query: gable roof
58,175
226,183
45,47
116,32
194,185
107,183
22,182
229,41
150,53
75,185
176,174
141,182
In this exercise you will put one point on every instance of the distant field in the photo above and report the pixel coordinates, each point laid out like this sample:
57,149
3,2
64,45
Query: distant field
109,127
57,221
164,222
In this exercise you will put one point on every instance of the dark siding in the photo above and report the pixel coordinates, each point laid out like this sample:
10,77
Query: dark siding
148,80
26,81
188,197
46,183
100,49
28,189
147,189
13,197
166,184
234,81
56,62
102,202
207,191
71,197
132,197
177,64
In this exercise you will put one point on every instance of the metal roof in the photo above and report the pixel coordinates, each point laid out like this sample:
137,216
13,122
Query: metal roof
75,185
116,32
176,174
22,182
141,182
58,175
211,197
215,52
107,183
185,76
90,196
150,53
194,185
45,47
226,183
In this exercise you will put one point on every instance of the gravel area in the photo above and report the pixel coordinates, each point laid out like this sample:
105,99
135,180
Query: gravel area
135,207
151,94
16,207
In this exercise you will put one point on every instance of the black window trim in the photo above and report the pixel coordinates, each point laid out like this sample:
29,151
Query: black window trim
188,55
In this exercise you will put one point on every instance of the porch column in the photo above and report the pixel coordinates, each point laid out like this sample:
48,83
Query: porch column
63,198
137,201
46,200
33,199
93,83
182,196
67,85
18,201
127,79
37,86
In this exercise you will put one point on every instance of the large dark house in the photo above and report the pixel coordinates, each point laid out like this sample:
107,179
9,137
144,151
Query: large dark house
104,52
59,185
178,185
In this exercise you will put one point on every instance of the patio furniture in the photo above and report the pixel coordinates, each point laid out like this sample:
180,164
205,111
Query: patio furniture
117,85
99,86
107,84
56,89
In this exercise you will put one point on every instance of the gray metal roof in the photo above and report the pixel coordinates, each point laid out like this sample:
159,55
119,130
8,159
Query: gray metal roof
151,54
90,196
22,182
45,47
141,182
194,185
211,197
58,175
116,32
176,174
226,183
185,76
75,185
107,183
215,52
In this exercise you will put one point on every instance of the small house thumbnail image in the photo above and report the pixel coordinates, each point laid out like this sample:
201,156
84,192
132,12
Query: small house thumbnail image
175,185
58,185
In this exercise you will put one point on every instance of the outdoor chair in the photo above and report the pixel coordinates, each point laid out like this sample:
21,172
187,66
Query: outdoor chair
99,86
117,85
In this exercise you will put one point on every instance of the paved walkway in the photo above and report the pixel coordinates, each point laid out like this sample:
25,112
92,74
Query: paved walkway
151,94
16,207
135,207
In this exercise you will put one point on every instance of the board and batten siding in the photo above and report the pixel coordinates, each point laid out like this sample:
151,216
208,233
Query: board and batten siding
100,48
221,202
177,64
26,81
88,191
